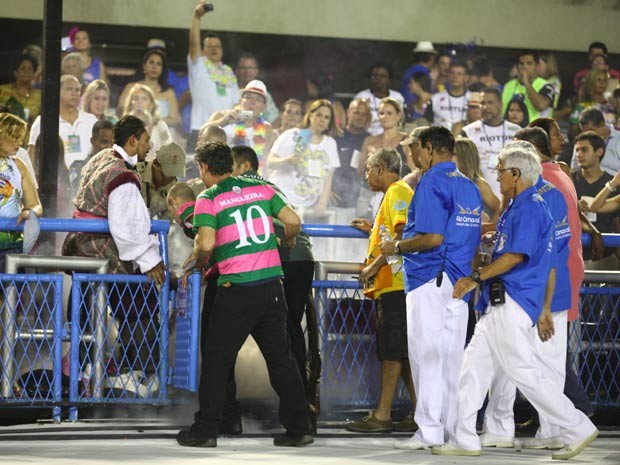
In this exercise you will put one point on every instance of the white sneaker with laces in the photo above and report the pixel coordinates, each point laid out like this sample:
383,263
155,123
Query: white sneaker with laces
573,449
495,440
412,443
546,443
450,449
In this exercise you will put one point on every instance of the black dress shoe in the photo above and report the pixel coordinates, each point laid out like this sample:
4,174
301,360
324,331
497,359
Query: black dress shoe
231,427
284,440
188,437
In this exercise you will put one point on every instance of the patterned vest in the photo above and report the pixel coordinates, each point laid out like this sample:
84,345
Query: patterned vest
100,176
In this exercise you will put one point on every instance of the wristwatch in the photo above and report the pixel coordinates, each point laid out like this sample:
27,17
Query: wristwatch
397,248
475,275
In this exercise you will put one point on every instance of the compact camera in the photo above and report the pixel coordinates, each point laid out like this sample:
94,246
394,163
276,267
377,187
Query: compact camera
207,7
246,114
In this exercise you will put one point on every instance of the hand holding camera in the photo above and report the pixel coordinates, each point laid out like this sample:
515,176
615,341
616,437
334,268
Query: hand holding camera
203,8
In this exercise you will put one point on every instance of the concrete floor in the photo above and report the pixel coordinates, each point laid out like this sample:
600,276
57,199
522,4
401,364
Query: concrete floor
153,443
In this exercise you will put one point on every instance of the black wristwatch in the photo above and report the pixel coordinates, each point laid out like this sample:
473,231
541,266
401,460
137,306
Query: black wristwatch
397,248
475,275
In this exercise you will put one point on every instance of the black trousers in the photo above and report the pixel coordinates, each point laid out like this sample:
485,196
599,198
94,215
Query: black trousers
232,408
297,284
239,311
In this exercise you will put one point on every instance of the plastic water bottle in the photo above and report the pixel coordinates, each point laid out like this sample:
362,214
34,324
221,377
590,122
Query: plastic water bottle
182,301
384,234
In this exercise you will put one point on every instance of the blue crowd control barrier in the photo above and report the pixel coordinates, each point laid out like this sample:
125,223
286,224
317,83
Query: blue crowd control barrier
594,344
32,332
346,320
185,370
335,230
121,358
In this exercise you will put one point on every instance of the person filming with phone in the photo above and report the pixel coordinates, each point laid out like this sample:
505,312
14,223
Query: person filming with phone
212,84
245,124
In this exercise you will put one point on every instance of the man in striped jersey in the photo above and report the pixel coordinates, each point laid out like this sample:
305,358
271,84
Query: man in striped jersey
233,219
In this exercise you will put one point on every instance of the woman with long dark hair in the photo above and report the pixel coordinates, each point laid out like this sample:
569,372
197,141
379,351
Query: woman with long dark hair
154,74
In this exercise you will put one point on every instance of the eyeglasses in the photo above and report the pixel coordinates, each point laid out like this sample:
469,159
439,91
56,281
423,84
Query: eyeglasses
501,170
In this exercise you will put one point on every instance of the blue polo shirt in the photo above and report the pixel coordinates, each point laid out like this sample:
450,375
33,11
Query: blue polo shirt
559,212
525,228
447,203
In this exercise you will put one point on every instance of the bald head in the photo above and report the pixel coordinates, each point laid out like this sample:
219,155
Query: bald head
210,134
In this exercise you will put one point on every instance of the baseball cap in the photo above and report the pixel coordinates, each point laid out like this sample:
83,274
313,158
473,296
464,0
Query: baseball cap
171,158
413,136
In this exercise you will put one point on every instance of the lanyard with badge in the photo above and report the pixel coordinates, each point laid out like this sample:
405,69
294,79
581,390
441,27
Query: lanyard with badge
73,140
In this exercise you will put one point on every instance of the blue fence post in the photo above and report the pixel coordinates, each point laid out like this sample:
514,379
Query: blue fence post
57,345
74,350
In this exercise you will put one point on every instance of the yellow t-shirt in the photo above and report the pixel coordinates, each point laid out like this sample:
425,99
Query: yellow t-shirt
392,212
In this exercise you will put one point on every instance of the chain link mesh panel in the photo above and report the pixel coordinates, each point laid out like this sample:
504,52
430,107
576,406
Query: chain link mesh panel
119,339
346,322
30,339
594,344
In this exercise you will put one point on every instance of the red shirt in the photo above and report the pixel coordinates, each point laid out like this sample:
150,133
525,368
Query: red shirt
553,173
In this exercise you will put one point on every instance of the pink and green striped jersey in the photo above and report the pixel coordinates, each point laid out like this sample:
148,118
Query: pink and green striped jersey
241,210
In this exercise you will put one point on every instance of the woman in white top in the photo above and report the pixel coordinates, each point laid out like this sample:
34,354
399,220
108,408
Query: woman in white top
141,97
302,160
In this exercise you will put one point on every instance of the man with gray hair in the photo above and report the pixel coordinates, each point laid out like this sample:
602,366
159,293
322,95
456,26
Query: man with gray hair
383,281
513,287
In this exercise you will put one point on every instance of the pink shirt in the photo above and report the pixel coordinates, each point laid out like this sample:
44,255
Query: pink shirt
553,173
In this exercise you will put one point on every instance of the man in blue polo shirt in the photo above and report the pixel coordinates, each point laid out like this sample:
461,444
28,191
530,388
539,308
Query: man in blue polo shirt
503,341
439,242
499,427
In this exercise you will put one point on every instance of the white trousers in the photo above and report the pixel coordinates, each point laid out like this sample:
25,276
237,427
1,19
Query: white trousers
551,356
504,342
436,327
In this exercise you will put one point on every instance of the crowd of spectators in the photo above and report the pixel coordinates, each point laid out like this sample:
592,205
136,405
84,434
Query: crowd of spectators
337,163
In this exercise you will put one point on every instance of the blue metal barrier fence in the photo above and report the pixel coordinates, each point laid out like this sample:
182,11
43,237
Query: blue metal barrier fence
351,371
113,356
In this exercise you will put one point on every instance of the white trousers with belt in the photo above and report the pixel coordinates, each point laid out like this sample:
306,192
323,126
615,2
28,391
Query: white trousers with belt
504,342
436,327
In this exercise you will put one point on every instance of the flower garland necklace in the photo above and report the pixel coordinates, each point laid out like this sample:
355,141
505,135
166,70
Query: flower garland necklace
258,135
220,74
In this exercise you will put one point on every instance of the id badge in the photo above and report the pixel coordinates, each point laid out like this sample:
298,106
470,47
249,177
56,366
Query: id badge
73,144
314,168
221,89
493,160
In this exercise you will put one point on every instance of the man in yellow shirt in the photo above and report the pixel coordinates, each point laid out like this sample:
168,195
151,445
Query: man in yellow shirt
383,281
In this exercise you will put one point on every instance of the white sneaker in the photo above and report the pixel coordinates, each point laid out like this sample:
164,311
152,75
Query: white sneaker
573,449
495,440
449,449
546,443
412,443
